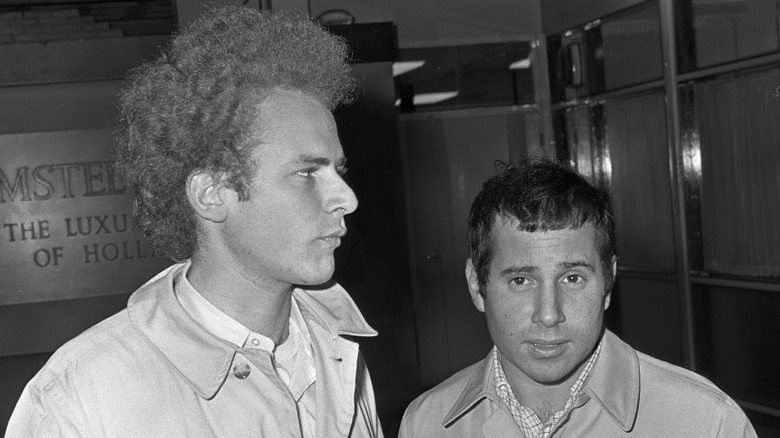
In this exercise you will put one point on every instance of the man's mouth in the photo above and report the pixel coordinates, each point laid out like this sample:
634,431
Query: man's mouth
547,348
334,239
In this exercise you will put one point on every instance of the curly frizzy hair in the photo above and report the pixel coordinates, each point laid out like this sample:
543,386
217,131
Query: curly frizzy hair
195,108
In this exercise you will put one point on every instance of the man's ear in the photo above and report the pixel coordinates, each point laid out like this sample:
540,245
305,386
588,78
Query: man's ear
613,276
208,195
473,281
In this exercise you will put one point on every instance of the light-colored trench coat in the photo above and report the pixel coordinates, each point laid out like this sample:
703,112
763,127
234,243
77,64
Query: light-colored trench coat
628,394
150,371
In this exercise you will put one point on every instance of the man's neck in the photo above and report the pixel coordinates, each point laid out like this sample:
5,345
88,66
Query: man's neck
545,403
262,308
544,399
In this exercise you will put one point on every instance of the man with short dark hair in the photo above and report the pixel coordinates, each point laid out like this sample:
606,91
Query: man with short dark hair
229,140
541,267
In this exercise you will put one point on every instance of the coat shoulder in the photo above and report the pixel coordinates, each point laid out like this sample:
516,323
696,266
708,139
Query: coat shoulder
102,342
428,411
668,378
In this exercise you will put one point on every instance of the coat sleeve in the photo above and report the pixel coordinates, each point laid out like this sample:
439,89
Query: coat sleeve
733,422
404,432
417,422
33,416
41,412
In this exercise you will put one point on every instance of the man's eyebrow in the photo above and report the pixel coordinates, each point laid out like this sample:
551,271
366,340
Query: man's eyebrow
569,265
320,161
514,270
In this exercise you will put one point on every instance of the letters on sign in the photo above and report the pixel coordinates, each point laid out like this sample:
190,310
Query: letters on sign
65,220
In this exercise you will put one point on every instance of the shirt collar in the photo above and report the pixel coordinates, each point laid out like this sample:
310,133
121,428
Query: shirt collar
617,362
529,423
299,339
214,320
155,311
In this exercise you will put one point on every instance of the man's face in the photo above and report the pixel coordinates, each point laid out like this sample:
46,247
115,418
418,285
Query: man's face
288,229
544,301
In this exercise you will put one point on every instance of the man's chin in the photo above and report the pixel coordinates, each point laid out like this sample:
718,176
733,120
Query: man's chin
319,279
551,375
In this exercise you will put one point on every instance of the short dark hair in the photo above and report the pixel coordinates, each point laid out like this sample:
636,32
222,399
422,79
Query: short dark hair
539,195
195,107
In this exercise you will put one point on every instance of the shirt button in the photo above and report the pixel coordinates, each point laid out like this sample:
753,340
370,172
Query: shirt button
241,370
255,342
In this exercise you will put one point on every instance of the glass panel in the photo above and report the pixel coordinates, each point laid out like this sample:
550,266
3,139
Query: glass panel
731,30
580,142
736,341
632,47
740,201
640,182
649,316
525,135
458,77
578,133
617,51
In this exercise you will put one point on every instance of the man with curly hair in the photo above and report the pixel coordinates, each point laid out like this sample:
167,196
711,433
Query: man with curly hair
229,141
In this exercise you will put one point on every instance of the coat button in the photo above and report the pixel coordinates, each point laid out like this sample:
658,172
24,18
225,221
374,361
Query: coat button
241,370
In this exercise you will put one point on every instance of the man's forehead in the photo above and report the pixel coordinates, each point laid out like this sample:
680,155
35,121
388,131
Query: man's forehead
540,223
513,228
516,251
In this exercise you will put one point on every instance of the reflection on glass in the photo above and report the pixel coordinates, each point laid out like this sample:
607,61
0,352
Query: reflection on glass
471,76
731,30
578,133
740,201
632,47
640,190
607,54
737,341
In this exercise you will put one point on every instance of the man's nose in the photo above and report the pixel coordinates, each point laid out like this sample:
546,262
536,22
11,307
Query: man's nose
342,197
548,308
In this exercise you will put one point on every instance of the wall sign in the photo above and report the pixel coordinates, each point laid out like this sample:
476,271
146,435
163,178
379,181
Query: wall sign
65,227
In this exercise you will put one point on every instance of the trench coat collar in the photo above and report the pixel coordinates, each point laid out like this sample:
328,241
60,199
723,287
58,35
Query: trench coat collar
614,381
156,313
479,387
334,309
613,384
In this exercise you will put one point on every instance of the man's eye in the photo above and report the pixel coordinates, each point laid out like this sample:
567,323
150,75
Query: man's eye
519,281
573,278
306,173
